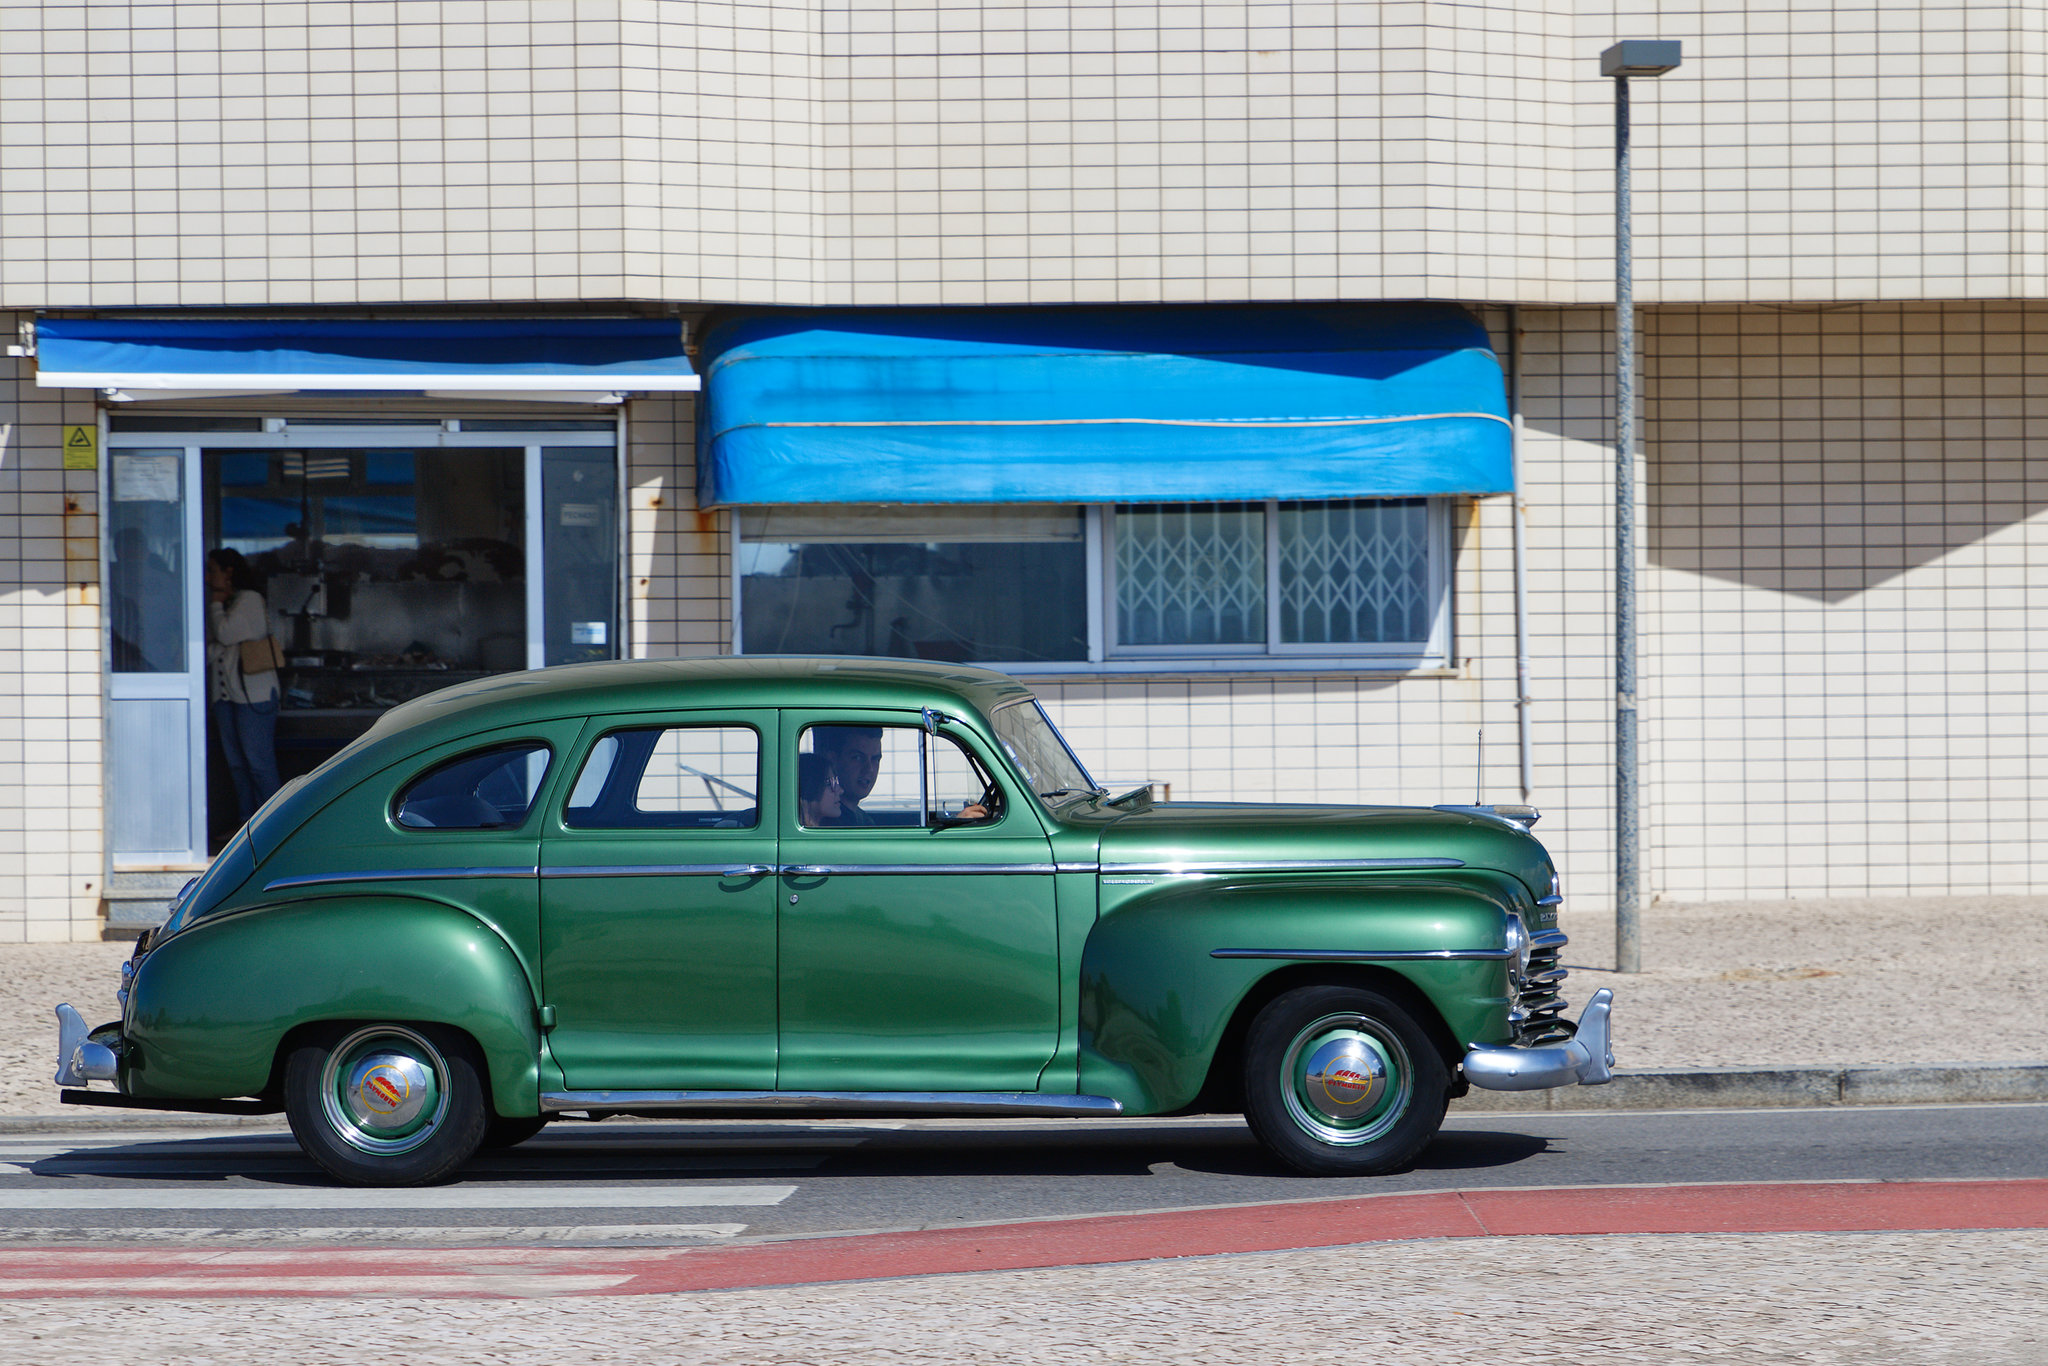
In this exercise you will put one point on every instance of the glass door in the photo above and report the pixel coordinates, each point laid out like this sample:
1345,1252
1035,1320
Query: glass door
156,697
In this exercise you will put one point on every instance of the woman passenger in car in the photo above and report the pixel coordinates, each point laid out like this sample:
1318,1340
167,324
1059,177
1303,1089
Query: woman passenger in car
817,791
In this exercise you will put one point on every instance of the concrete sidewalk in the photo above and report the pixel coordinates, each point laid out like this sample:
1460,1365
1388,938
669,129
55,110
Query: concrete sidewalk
1741,1003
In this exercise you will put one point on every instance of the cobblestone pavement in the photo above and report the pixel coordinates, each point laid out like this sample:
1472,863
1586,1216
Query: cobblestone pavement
1730,984
1876,1299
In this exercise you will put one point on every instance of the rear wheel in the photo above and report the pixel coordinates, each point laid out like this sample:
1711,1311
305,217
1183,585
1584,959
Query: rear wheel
386,1104
1342,1081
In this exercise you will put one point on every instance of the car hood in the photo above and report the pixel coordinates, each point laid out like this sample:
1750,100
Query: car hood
1246,835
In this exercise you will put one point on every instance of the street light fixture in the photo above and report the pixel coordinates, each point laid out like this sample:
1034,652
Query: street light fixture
1635,57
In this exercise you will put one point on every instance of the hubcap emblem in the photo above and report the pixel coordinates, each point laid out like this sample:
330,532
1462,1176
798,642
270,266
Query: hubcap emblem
1345,1079
387,1090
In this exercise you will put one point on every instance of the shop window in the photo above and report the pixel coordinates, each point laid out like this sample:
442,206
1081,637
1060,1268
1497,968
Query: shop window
1357,582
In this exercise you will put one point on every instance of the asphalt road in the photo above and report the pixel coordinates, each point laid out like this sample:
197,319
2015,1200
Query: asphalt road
647,1184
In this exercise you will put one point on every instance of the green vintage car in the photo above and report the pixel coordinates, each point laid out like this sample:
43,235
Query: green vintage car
824,887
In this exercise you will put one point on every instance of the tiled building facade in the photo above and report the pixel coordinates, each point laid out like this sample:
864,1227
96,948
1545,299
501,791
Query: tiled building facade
1842,256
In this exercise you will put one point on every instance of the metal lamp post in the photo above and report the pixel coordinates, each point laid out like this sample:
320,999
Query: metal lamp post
1636,57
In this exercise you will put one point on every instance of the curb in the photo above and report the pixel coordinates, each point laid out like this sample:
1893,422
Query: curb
1780,1087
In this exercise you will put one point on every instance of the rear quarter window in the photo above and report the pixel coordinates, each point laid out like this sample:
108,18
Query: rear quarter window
491,789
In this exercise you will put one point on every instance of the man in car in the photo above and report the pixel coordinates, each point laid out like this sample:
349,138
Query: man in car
855,754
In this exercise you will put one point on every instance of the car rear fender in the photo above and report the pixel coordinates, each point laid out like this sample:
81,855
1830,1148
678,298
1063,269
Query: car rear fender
1157,1003
210,1007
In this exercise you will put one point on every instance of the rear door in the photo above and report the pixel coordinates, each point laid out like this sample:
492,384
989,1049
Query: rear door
658,905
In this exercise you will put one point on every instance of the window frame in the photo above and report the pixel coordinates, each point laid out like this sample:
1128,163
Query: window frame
1105,656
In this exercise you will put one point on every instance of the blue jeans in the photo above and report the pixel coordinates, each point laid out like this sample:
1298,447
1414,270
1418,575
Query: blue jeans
248,740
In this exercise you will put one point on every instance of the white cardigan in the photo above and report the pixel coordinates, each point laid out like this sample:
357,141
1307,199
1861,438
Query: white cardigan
245,616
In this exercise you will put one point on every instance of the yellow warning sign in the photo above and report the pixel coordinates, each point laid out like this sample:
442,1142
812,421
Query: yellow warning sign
81,448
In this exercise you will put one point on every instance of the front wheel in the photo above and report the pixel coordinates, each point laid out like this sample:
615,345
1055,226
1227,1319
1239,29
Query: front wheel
386,1104
1342,1081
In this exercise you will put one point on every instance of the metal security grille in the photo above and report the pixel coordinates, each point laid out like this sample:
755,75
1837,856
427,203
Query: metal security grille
1191,574
1354,573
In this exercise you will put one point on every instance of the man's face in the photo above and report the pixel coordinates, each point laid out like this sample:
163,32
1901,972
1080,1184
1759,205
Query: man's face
858,763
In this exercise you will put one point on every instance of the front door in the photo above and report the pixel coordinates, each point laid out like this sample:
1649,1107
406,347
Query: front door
918,941
658,906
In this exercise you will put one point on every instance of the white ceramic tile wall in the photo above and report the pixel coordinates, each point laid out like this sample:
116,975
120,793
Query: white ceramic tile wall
50,688
1847,521
941,151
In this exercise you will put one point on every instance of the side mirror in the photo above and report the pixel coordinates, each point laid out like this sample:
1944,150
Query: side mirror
932,720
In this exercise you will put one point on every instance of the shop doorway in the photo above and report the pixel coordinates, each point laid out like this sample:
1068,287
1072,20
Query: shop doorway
387,560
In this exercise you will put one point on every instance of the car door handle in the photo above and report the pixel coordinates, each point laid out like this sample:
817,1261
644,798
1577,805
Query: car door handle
750,870
806,869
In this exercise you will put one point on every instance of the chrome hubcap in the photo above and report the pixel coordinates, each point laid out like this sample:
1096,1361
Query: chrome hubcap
1347,1079
382,1090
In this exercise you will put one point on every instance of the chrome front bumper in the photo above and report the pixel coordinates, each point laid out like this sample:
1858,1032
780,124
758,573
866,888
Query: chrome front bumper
79,1059
1586,1059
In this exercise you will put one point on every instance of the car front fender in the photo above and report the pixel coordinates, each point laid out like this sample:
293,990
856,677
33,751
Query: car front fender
210,1007
1157,1000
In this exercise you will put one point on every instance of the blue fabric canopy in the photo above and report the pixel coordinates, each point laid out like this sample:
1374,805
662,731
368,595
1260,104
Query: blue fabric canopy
496,354
1162,403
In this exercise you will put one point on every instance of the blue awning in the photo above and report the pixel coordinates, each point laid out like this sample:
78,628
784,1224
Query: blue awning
508,356
1142,404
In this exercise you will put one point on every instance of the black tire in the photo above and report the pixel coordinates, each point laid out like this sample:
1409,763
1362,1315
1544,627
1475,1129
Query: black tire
386,1104
502,1132
1342,1081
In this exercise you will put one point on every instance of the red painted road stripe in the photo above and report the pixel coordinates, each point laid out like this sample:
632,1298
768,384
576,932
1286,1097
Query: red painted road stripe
1092,1240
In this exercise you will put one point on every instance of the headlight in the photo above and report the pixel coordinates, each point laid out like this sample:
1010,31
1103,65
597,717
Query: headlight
1517,946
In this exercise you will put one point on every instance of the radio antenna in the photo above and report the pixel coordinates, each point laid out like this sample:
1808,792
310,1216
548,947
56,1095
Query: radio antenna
1479,778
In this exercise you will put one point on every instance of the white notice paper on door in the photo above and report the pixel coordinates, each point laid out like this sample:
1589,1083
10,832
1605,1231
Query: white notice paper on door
146,479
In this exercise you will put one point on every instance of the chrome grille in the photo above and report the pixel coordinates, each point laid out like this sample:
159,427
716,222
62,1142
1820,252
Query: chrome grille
1537,1014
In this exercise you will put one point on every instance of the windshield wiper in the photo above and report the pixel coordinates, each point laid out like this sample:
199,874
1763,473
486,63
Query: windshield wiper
1075,792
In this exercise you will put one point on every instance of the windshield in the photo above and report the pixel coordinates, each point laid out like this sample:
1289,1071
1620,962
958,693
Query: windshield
1040,754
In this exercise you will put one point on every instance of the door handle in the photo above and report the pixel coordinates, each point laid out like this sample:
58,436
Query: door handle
805,870
749,870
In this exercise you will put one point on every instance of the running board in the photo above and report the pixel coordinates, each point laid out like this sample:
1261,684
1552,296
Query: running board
1017,1104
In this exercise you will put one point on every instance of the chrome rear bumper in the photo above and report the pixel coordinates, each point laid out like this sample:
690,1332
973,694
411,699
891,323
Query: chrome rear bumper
1586,1059
79,1059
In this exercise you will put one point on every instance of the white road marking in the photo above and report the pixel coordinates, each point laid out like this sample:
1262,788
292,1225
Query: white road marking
241,1197
202,1287
493,1236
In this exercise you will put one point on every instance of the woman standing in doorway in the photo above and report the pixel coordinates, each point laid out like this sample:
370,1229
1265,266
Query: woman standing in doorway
244,705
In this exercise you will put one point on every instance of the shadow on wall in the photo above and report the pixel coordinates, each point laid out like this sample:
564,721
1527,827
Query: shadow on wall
1820,452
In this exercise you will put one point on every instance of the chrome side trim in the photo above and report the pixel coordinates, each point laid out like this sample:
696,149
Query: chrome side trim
1550,901
660,870
1286,865
1076,867
856,869
1368,955
395,875
1015,1103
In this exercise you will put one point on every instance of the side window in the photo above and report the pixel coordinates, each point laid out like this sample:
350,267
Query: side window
669,778
856,776
956,789
490,790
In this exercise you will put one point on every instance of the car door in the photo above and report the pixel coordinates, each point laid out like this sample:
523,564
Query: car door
658,906
917,954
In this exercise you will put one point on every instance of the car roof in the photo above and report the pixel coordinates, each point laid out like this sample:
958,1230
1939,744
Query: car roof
614,686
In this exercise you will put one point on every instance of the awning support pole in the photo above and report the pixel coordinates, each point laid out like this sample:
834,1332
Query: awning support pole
1521,532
